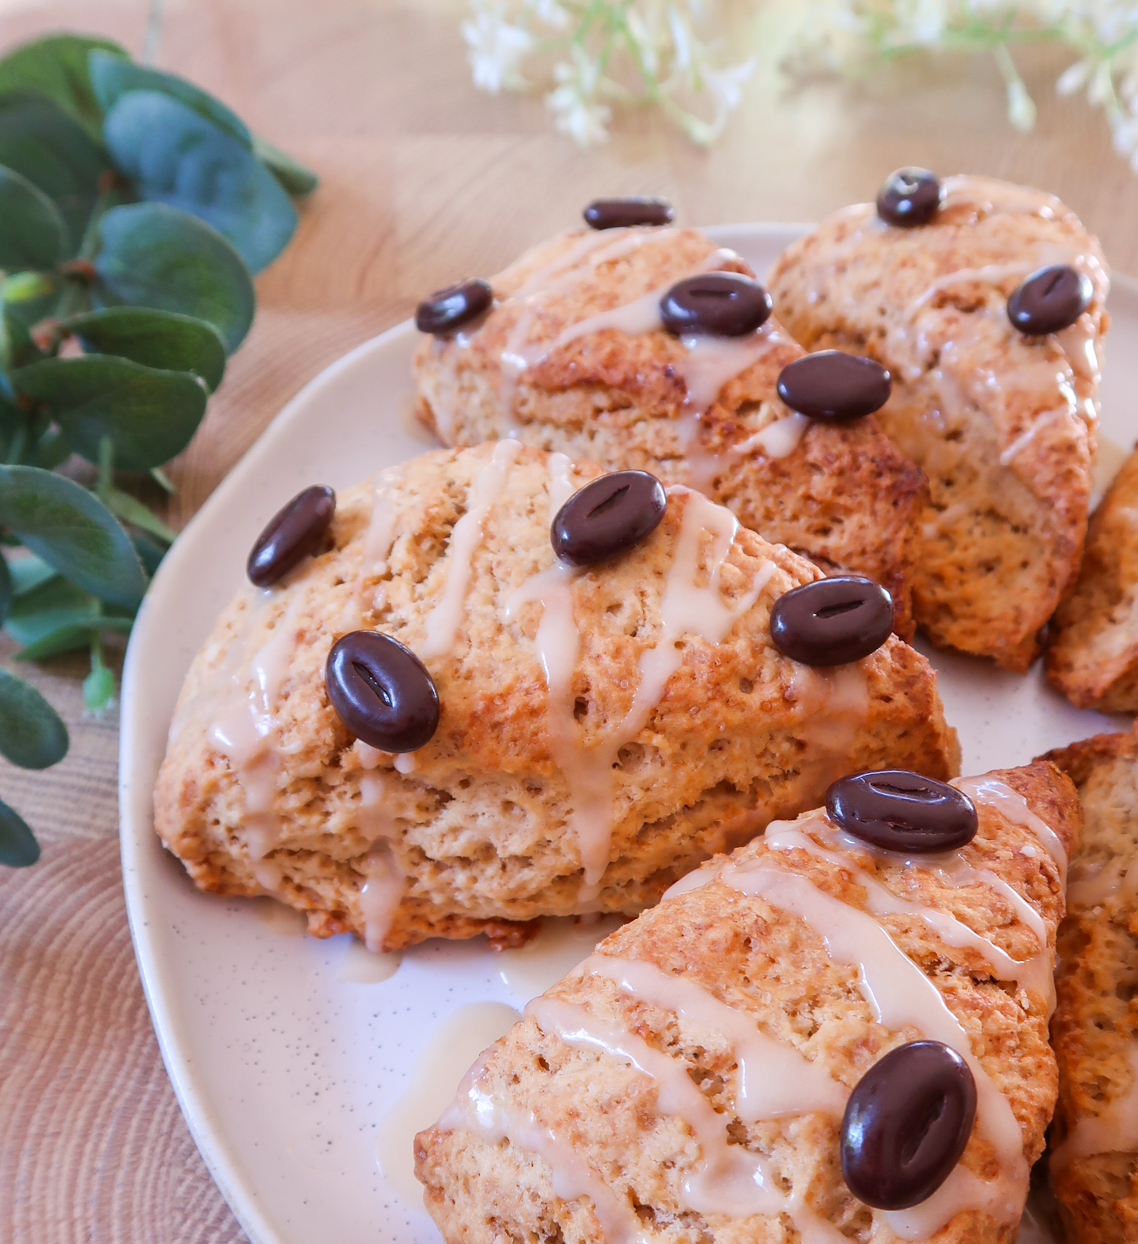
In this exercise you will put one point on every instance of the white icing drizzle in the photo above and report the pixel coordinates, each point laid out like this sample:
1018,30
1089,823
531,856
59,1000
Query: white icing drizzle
900,995
685,608
1035,973
711,363
1013,807
775,1080
1088,888
1113,1130
1026,437
475,1110
991,196
445,618
728,1179
990,274
445,397
778,439
381,894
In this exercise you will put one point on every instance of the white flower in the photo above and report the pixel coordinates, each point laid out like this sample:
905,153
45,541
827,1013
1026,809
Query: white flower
496,51
1021,107
576,111
725,88
1074,76
552,13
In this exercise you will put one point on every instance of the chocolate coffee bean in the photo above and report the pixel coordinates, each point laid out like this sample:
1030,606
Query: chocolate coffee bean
902,811
623,213
1050,300
721,304
834,386
448,309
293,533
608,516
832,621
906,1124
909,197
381,691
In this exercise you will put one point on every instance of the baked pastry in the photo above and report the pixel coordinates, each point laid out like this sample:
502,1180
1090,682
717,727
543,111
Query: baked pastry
1092,654
1002,420
1094,1163
573,357
674,725
700,1077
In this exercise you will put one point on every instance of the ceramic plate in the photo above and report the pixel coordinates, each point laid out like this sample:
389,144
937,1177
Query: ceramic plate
292,1059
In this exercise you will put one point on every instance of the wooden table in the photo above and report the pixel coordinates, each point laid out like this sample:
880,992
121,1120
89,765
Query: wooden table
424,179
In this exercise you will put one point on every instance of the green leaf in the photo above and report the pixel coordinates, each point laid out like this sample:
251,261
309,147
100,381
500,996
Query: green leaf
32,232
175,156
152,255
112,77
292,175
150,415
18,846
28,572
31,732
162,339
54,152
56,66
98,689
51,449
7,589
58,617
71,530
132,511
149,551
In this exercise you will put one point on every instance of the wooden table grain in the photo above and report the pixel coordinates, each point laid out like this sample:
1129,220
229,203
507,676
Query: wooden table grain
423,180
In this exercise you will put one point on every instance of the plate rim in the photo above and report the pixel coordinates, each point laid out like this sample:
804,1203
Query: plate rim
135,829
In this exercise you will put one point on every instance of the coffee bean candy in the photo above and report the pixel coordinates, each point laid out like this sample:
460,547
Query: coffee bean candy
906,1124
624,213
608,516
1050,300
720,304
293,533
448,309
832,621
909,197
381,691
834,386
902,811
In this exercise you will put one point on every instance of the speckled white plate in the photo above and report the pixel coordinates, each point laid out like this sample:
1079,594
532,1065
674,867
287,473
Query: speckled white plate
287,1065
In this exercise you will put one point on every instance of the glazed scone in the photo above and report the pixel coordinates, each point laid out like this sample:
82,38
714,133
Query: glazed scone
1002,423
572,357
1094,1163
674,726
1092,655
687,1082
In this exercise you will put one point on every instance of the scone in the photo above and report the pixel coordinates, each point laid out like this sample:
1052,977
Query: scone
1094,1163
703,1076
1001,420
572,357
597,731
1092,655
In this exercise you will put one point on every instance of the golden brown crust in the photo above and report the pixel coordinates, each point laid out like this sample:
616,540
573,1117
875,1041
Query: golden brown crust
1002,423
1095,1024
1092,657
846,496
477,821
772,967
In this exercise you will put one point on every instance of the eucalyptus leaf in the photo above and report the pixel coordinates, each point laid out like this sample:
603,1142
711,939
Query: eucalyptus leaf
162,339
98,689
32,735
7,588
18,846
30,296
292,175
32,232
132,511
175,156
112,77
57,66
149,551
51,449
28,573
152,255
69,528
55,153
150,415
58,618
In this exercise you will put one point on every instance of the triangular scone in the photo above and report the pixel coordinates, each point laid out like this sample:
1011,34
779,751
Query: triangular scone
573,358
1092,654
1094,1161
686,1083
674,728
1002,423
